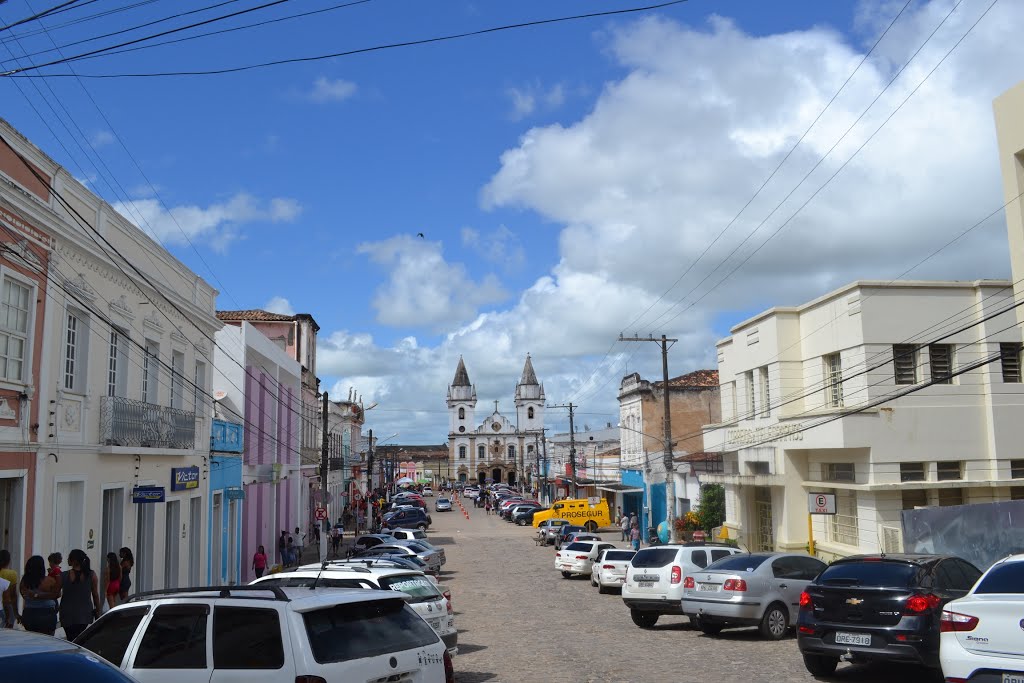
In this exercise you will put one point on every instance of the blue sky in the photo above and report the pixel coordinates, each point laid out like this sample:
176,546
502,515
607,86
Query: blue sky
563,176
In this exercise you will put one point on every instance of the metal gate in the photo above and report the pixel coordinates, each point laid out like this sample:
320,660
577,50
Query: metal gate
765,534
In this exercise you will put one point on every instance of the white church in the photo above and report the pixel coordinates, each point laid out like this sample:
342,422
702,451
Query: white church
497,449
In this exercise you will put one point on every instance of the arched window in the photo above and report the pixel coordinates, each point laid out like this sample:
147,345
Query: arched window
529,412
462,413
529,449
481,452
512,452
462,452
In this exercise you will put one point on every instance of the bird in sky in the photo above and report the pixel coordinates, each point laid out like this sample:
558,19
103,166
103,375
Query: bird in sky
421,235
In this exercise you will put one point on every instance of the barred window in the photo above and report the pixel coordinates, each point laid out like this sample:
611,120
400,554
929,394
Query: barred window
766,409
843,526
839,471
833,372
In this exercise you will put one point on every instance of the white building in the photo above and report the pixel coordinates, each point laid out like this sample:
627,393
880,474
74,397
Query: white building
790,376
124,431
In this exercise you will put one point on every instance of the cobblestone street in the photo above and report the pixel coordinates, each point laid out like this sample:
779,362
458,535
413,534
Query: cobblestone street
519,620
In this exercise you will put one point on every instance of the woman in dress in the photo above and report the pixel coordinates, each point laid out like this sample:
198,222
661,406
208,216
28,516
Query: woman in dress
127,564
259,562
112,580
39,591
80,595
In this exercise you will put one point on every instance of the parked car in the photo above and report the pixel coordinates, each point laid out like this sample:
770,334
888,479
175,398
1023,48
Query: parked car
422,544
27,656
609,571
275,634
757,589
563,533
548,529
470,492
408,534
443,505
406,519
367,541
980,633
390,554
509,513
427,491
879,608
577,558
421,592
399,503
525,517
577,536
654,578
431,557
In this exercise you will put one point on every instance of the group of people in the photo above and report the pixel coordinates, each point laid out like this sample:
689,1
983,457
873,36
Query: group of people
71,597
630,527
289,547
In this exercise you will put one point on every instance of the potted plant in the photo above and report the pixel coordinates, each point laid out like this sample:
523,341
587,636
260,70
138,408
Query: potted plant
686,525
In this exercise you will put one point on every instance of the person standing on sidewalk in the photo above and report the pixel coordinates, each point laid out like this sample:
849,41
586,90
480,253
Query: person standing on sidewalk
80,595
259,562
40,592
299,545
127,563
10,614
624,523
634,535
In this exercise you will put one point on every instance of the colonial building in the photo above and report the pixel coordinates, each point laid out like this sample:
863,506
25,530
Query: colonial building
424,464
497,448
889,396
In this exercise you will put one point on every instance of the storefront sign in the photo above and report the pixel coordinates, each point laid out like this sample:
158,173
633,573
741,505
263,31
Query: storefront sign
148,494
184,478
234,493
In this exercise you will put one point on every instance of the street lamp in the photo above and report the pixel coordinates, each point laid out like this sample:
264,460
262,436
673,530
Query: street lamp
670,497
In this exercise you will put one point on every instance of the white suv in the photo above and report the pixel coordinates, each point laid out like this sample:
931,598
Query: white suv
419,591
268,634
654,578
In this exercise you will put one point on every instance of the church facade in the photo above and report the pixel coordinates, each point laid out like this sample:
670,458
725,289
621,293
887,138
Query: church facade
498,448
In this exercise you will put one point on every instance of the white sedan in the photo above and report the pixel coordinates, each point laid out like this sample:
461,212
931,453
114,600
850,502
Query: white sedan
981,633
578,557
609,571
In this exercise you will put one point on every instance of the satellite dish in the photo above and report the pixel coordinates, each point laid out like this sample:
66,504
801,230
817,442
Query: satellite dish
219,395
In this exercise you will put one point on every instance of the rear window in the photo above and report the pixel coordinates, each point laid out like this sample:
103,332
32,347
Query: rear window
586,547
739,563
653,557
875,574
418,588
1006,578
365,629
619,555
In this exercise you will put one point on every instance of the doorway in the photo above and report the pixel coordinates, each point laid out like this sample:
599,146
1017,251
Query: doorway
511,478
233,578
69,515
112,521
145,530
172,522
765,533
11,492
216,541
195,536
496,475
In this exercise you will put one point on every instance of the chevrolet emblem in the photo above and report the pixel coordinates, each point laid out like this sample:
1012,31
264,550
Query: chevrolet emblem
853,601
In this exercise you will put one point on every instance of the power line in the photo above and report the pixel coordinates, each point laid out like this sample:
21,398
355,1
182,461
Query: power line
80,20
346,53
40,15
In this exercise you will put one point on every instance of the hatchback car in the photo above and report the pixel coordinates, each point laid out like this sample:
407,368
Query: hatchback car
407,519
574,536
879,608
26,656
428,555
409,534
654,578
427,491
981,633
470,492
443,505
269,634
548,530
524,517
609,571
577,558
759,589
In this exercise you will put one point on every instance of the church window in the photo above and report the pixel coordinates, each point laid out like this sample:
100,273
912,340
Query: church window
462,452
512,452
529,413
462,413
481,452
529,449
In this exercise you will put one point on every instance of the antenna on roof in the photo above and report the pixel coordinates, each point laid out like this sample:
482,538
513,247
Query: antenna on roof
323,566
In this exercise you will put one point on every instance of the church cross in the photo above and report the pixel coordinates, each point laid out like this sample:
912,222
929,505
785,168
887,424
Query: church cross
495,406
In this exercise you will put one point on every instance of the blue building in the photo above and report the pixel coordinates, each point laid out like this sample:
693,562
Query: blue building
226,500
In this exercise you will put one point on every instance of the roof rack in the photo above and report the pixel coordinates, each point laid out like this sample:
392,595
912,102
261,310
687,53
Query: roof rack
221,591
693,544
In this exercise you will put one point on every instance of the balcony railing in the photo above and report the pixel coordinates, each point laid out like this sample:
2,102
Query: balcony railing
126,422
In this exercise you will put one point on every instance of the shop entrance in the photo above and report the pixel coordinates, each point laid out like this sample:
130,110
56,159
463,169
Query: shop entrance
763,526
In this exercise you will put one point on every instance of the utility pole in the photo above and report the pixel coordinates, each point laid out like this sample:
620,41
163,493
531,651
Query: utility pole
572,448
324,466
670,473
369,508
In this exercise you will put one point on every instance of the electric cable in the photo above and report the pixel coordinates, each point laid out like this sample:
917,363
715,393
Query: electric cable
98,15
44,13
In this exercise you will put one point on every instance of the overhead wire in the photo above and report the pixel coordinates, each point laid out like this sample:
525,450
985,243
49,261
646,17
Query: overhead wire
44,13
80,20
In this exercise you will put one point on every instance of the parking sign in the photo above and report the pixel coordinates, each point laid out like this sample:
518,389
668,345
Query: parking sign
821,503
321,514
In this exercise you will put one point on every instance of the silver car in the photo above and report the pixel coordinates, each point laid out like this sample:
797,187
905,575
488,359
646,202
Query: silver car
429,555
443,505
547,530
756,589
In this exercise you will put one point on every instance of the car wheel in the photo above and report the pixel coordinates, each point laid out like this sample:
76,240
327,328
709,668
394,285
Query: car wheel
774,622
566,575
421,526
601,589
520,522
820,665
644,619
591,527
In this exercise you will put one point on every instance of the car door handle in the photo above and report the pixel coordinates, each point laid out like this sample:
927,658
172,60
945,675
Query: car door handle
782,585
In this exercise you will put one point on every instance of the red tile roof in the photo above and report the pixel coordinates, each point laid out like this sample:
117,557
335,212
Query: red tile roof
698,457
697,378
254,314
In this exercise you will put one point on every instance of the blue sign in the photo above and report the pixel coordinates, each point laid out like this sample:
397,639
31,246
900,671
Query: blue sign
225,437
148,494
184,478
234,493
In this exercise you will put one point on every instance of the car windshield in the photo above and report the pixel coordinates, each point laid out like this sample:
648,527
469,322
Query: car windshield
417,588
738,563
1005,578
653,557
586,547
365,629
877,574
619,555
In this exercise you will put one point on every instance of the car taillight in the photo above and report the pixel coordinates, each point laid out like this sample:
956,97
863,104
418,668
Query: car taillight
449,668
607,566
582,557
805,601
919,604
309,679
738,585
954,621
688,582
677,574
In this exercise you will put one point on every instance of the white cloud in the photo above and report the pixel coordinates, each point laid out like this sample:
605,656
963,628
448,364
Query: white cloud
279,304
101,138
424,289
668,154
217,224
331,90
500,246
527,99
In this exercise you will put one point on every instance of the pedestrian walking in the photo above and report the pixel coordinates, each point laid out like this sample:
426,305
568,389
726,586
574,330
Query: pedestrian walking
9,590
634,535
625,528
282,547
633,520
80,595
259,562
127,564
289,551
112,580
335,539
40,591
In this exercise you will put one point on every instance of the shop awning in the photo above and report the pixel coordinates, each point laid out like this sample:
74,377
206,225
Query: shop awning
619,488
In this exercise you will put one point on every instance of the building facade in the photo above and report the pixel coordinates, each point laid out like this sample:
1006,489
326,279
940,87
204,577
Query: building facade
227,496
257,382
889,396
497,449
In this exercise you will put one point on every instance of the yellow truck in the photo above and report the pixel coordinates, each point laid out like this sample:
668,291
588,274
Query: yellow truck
590,513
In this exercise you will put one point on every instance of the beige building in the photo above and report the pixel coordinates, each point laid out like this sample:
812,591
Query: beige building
1009,114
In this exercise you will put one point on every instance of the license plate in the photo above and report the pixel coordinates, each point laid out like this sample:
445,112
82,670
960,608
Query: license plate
646,584
853,639
434,623
707,586
565,566
645,577
1013,678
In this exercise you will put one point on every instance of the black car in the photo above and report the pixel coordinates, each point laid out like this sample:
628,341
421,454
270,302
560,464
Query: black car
525,517
407,518
879,608
511,513
564,531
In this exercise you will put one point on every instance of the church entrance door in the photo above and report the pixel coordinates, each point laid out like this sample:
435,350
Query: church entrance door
511,478
496,474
